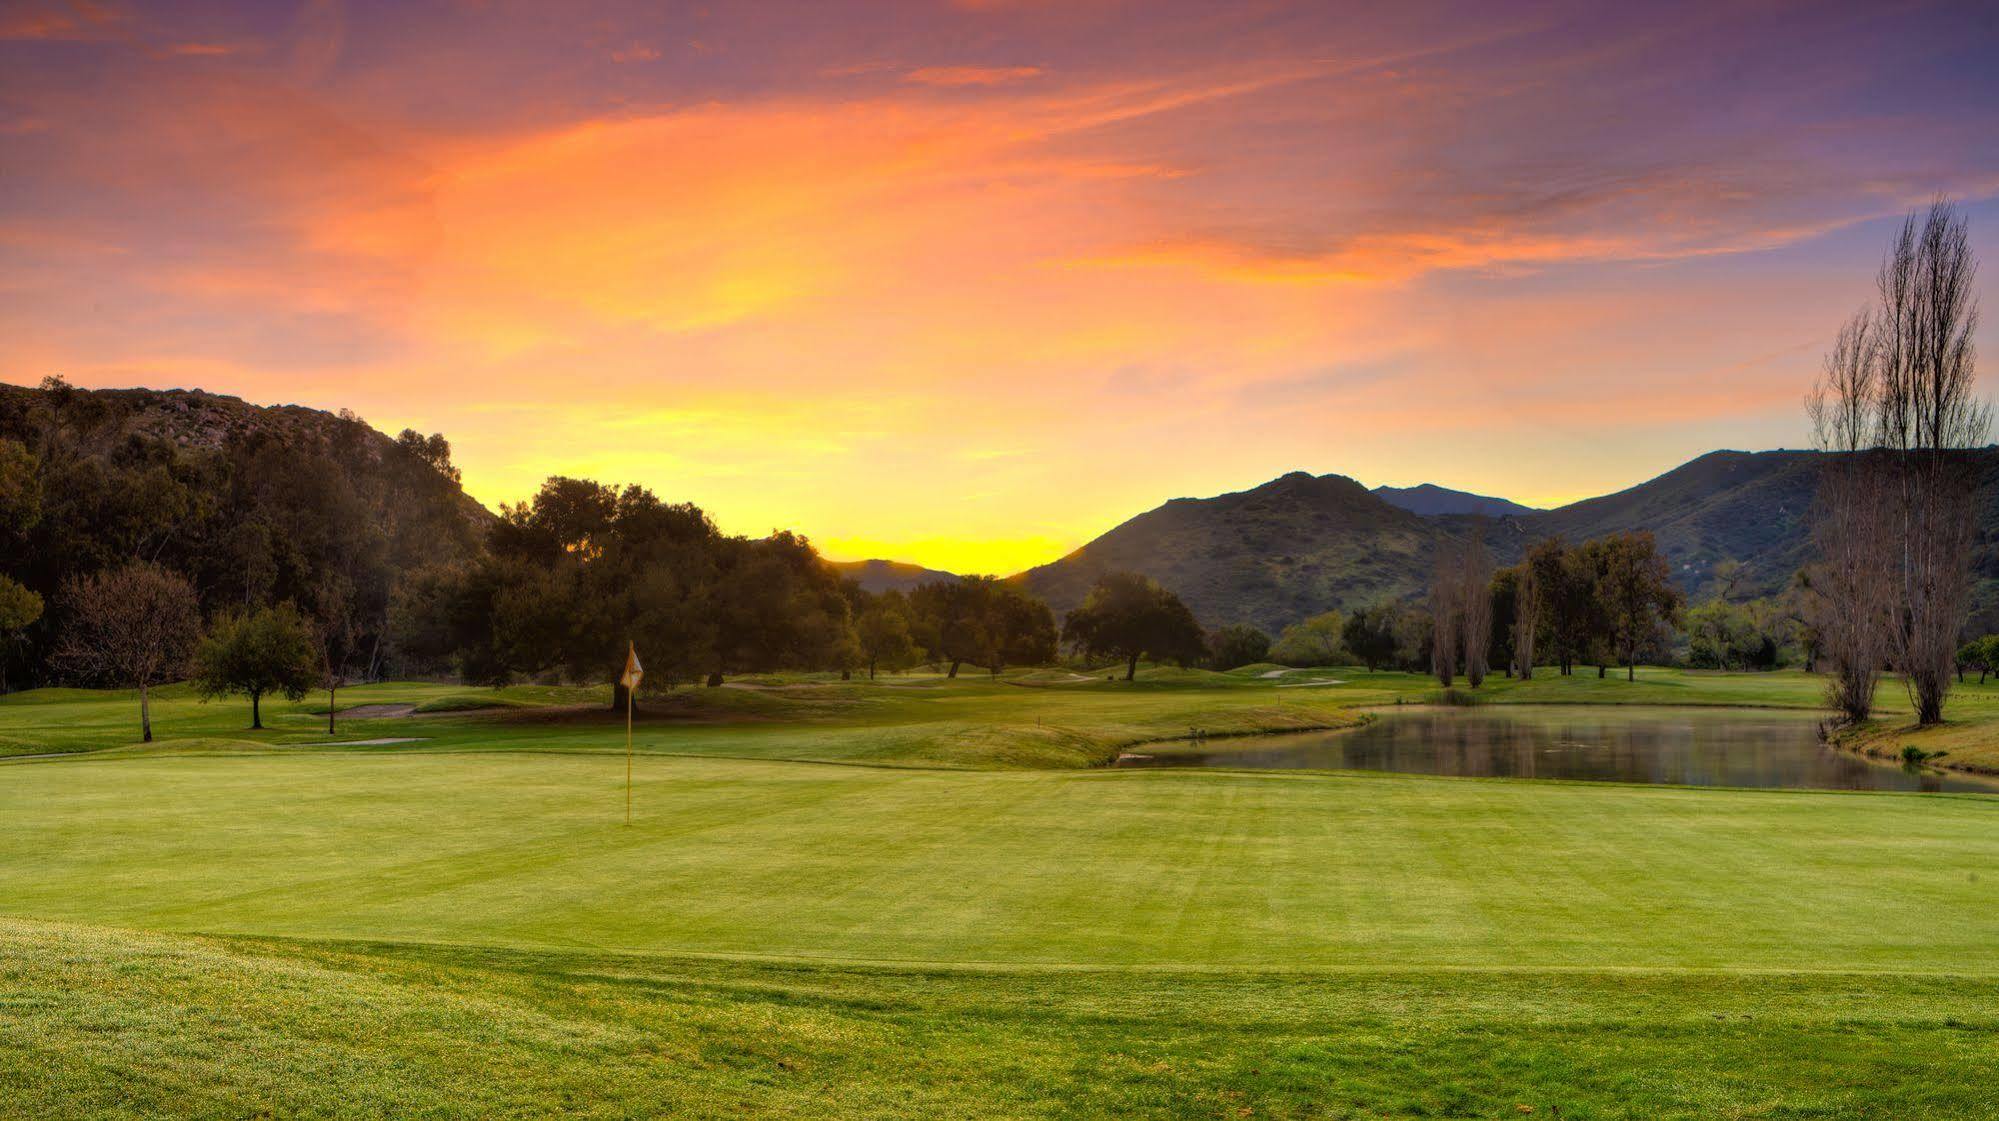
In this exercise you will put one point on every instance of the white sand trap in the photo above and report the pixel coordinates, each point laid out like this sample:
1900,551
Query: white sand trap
1309,684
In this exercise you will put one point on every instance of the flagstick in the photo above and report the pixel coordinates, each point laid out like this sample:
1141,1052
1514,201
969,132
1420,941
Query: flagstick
628,755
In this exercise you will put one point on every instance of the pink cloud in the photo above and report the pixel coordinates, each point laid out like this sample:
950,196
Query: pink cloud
971,75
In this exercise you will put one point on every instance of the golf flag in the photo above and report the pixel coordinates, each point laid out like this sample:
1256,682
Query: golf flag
633,670
630,680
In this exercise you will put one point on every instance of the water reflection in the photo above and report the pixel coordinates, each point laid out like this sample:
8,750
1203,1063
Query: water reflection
1607,743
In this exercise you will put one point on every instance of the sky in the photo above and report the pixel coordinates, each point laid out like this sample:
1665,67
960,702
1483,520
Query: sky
969,283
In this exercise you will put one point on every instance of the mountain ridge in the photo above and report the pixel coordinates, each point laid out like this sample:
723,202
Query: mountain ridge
1280,552
1431,500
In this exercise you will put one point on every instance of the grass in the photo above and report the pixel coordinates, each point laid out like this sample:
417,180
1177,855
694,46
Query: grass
916,899
108,1024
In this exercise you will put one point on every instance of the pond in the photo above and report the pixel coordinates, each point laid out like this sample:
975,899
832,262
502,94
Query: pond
1602,743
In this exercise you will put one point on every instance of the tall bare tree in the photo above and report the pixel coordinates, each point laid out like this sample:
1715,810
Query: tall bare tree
1446,607
134,626
1475,604
1851,587
1929,412
1526,619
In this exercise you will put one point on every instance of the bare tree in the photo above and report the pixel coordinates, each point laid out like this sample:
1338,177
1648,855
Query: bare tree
1475,604
1851,587
1928,413
134,626
1446,606
1526,619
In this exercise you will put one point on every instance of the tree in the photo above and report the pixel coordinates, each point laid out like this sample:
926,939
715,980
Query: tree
1317,641
1635,591
1526,617
1850,586
1237,644
1971,655
1370,635
1928,409
132,626
1446,617
1898,403
433,450
270,650
1474,600
1127,616
1020,627
1563,589
882,630
19,608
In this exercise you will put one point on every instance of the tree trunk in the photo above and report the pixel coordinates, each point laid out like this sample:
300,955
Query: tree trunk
256,711
331,691
846,674
954,669
1131,668
145,715
1630,671
618,692
871,669
715,680
1602,672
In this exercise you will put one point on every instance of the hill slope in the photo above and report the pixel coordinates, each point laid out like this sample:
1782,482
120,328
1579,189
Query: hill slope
1269,556
1431,500
250,504
878,576
1299,544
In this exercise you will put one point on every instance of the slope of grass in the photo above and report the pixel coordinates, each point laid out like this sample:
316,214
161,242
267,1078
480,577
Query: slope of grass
105,1023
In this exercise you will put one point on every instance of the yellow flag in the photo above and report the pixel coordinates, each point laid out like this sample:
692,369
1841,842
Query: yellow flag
633,670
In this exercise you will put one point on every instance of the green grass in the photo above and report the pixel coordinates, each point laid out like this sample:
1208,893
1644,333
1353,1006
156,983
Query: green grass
915,899
110,1024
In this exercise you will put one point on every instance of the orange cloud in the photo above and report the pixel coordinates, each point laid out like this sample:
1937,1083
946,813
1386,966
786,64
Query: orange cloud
970,315
971,75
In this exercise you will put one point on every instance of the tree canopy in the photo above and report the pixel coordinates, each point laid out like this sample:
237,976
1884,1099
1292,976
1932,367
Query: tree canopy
1129,617
269,650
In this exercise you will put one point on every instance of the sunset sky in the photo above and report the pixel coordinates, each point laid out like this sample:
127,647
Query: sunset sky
969,283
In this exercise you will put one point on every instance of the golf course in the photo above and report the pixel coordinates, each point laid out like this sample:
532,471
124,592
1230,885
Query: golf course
925,897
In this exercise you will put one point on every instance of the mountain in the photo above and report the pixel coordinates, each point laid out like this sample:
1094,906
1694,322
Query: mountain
1269,556
1431,500
1302,544
878,576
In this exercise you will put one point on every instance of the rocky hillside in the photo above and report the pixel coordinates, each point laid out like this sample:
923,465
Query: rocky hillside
251,505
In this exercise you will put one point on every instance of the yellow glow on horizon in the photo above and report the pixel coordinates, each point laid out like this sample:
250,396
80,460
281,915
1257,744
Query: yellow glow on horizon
958,312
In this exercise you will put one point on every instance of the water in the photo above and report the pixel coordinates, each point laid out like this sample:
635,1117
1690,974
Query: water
1601,743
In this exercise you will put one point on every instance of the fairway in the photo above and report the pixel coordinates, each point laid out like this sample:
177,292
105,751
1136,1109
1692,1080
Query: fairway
887,901
1111,868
